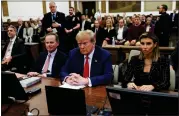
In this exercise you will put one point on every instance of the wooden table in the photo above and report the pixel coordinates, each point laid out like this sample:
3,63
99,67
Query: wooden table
95,96
126,49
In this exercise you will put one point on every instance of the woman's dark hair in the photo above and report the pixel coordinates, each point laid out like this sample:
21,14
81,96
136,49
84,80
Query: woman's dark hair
156,53
29,25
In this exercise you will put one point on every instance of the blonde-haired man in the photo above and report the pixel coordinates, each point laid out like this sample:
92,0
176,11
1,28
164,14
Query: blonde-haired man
87,65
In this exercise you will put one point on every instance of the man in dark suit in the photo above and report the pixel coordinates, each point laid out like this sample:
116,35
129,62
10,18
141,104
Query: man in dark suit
99,33
84,23
49,62
163,26
121,31
174,18
20,28
87,65
54,21
13,51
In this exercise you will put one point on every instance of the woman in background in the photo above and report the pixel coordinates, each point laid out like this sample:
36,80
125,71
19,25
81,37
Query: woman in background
27,32
148,71
109,32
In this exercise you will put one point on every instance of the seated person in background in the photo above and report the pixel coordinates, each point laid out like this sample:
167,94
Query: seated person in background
13,51
109,32
27,32
149,27
134,33
148,71
121,31
99,33
87,65
49,62
174,62
20,28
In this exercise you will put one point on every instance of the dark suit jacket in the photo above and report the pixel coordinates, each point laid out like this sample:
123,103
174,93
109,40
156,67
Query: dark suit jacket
86,26
58,62
163,25
101,66
125,31
18,49
110,34
175,23
18,56
47,21
159,75
20,34
99,36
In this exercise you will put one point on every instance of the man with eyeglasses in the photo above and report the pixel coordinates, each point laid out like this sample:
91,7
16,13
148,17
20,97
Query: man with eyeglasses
54,21
13,51
88,64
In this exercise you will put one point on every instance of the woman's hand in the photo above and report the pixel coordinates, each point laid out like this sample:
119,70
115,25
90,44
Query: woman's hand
146,88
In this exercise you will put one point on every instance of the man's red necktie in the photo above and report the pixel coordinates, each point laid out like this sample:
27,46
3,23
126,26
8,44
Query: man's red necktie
86,68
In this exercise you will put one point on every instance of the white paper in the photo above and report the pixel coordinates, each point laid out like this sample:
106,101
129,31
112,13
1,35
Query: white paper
54,30
66,85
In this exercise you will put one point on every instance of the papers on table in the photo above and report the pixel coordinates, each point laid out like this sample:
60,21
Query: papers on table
66,85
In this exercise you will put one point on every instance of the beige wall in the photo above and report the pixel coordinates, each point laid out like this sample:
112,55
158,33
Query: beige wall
152,6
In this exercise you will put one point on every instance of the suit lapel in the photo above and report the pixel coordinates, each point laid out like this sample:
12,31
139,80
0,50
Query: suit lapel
81,63
14,46
55,60
95,61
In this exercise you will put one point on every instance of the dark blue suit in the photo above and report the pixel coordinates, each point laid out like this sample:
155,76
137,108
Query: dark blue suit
101,66
58,62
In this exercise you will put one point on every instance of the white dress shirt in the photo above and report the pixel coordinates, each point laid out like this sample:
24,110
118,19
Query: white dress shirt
148,28
83,26
9,48
90,57
120,33
97,14
51,61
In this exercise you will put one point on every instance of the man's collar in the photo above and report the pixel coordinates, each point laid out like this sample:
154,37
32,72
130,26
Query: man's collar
13,39
91,54
54,13
53,53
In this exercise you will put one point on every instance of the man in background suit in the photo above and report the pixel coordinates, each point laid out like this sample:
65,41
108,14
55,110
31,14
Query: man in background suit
87,65
84,23
99,33
54,21
121,31
174,18
20,28
49,62
13,51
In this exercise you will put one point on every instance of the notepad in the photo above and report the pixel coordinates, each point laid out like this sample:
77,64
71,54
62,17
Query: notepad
66,85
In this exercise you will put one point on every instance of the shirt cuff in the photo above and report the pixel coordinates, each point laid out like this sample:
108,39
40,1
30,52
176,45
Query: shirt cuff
89,84
65,79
